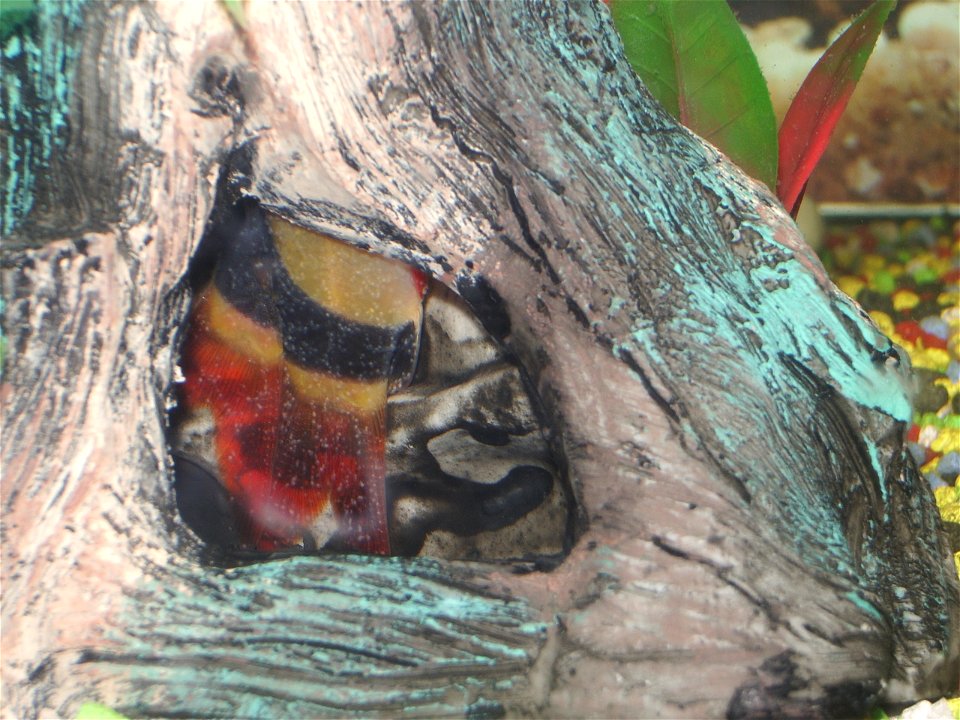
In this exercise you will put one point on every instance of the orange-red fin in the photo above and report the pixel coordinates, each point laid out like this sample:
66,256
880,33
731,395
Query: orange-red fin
359,499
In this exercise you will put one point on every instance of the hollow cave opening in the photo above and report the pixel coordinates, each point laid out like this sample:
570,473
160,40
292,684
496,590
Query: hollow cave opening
338,401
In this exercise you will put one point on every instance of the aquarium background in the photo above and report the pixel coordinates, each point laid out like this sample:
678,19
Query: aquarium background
898,141
883,206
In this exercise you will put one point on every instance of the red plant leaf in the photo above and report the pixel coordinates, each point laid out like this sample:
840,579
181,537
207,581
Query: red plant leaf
821,100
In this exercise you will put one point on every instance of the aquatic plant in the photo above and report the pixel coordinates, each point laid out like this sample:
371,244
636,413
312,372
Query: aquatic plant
695,59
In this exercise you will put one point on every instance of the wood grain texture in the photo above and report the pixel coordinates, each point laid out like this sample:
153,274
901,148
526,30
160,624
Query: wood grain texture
752,541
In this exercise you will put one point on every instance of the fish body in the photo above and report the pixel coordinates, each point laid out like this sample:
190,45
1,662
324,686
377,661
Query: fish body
335,400
291,351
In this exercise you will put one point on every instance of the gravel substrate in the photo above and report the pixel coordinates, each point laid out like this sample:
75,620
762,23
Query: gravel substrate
906,274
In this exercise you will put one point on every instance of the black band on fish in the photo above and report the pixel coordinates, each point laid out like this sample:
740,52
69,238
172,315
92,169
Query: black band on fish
252,278
248,262
318,339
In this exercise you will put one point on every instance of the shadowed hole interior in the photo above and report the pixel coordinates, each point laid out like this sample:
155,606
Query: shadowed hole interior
337,401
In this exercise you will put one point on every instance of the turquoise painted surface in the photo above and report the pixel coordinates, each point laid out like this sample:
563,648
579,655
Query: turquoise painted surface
865,605
791,316
40,47
698,340
293,636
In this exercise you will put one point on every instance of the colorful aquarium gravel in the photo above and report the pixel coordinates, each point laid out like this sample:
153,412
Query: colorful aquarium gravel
907,276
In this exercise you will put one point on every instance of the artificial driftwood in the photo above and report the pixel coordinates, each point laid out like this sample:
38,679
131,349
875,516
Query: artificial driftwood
753,540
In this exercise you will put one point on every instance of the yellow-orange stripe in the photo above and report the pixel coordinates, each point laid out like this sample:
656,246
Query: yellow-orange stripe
240,332
365,397
356,285
262,344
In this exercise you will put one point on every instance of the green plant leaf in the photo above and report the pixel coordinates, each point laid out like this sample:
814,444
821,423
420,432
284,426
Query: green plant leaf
235,8
694,58
96,711
13,14
821,100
